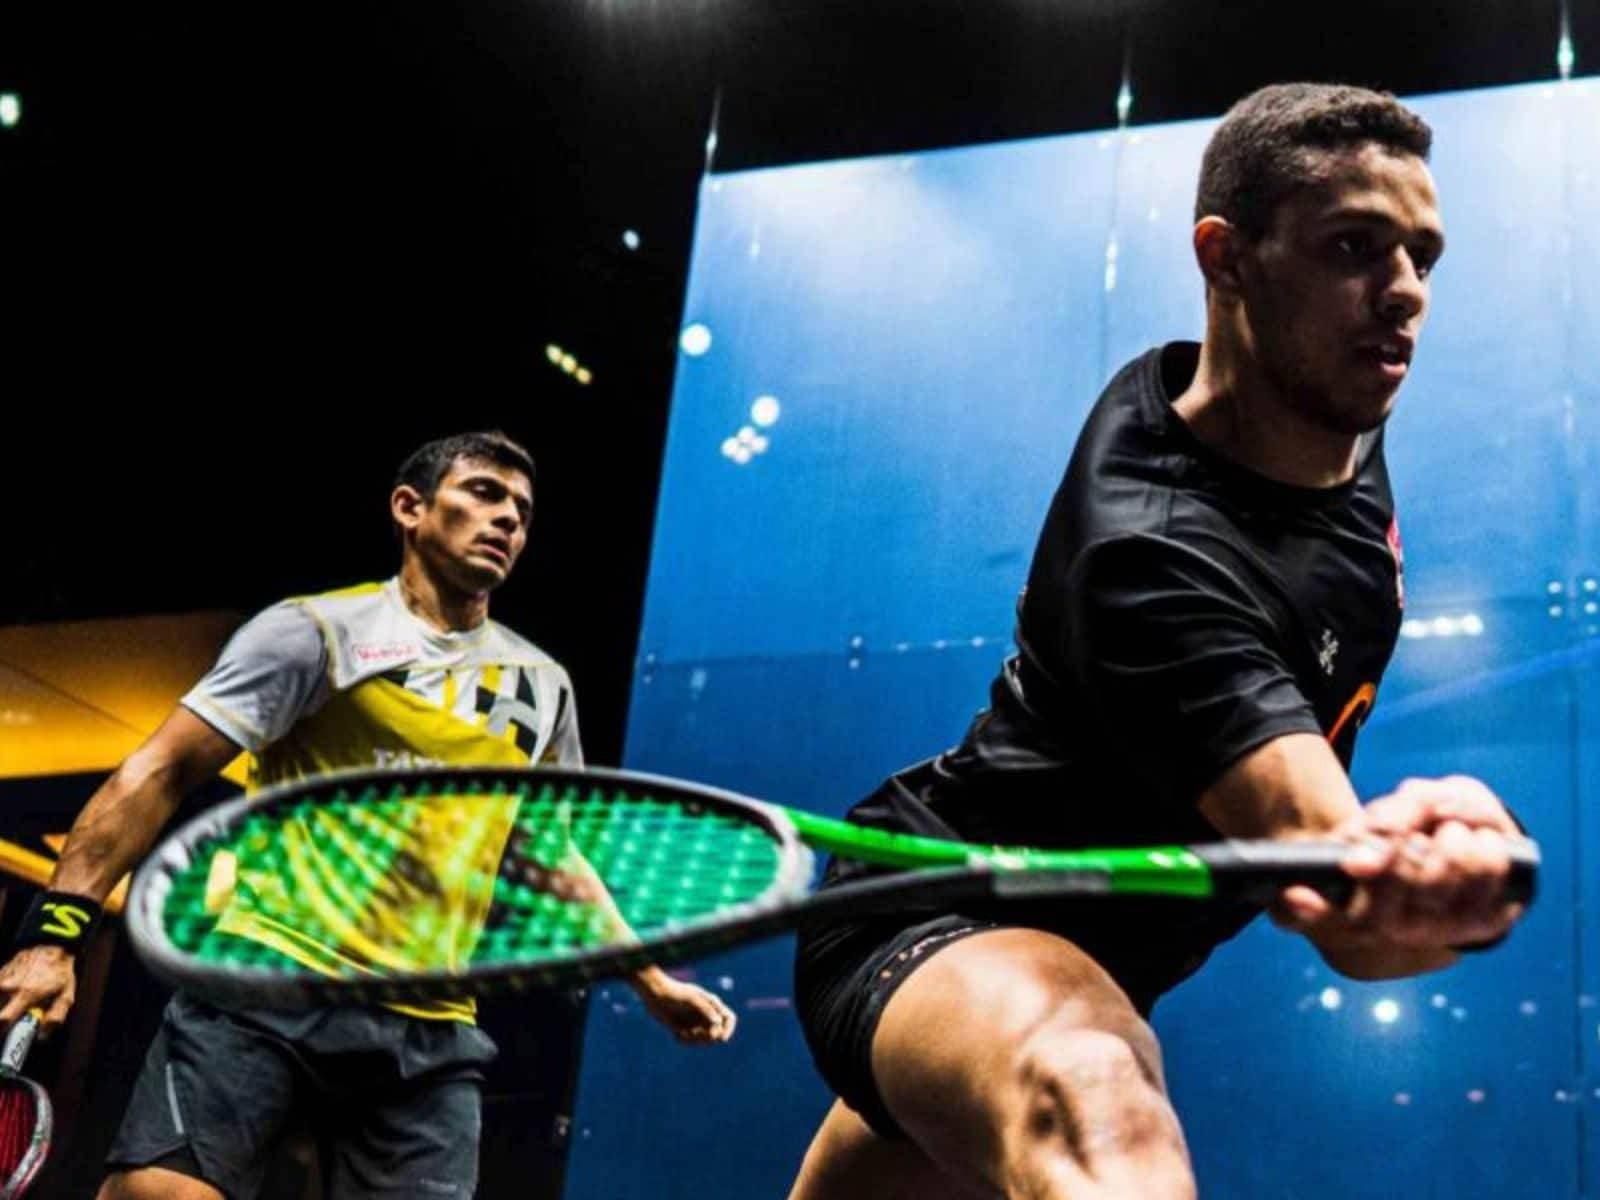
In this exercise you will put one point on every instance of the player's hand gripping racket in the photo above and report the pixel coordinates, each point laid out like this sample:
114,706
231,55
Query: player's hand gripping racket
416,885
25,1113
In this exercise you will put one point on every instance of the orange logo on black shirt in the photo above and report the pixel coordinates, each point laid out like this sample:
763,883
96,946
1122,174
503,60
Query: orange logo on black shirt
1354,711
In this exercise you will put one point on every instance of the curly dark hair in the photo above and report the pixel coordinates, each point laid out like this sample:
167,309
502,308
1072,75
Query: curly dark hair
429,463
1267,145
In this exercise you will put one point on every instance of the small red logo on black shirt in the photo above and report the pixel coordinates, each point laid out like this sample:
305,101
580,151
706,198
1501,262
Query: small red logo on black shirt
1396,549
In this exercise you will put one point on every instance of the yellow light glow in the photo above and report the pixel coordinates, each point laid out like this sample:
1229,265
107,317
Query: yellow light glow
94,690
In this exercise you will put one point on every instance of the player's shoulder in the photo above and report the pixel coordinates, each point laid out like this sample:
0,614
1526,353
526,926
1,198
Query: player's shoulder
286,624
356,626
354,595
356,605
510,645
1132,451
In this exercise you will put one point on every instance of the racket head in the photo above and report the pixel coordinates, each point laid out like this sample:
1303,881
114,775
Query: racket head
636,827
27,1119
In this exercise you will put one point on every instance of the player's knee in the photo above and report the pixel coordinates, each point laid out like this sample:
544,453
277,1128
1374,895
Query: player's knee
1093,1095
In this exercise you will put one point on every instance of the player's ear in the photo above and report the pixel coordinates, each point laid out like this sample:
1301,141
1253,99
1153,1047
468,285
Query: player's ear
405,506
1218,248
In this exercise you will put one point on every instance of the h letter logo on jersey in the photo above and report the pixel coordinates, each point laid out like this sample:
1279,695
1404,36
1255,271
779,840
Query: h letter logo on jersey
517,712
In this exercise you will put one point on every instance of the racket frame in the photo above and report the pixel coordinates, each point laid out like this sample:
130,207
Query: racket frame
18,1041
248,987
944,875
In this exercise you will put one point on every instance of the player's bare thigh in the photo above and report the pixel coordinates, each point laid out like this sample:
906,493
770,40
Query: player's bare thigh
155,1183
848,1161
1017,1067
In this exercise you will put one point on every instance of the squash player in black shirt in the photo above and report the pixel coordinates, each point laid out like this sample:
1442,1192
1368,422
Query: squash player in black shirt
1213,600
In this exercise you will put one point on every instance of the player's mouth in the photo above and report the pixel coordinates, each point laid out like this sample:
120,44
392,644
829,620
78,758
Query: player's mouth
1389,356
497,548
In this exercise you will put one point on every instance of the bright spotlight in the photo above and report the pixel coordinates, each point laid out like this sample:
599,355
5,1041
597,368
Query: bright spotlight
696,340
764,412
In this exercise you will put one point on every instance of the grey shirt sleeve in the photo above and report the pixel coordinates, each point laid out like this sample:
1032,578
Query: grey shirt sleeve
565,748
272,672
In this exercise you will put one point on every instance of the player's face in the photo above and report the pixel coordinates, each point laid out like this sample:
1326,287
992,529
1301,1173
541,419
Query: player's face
1336,291
474,529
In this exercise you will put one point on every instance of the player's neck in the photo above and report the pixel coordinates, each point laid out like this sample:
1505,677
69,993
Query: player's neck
436,603
1237,411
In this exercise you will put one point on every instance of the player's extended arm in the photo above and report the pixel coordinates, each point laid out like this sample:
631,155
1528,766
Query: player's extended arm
114,830
693,1014
1430,857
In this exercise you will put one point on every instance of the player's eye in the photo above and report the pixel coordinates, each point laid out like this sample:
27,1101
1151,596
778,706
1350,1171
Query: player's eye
1353,245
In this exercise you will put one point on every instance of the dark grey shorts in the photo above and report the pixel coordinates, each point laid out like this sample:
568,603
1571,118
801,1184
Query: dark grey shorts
393,1100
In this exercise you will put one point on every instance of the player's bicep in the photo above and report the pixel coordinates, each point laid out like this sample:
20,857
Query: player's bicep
1289,786
184,752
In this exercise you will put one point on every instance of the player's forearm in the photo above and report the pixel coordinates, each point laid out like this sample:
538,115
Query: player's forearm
647,981
118,825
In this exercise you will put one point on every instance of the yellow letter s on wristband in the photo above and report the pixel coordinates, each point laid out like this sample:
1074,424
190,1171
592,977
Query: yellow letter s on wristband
58,919
67,920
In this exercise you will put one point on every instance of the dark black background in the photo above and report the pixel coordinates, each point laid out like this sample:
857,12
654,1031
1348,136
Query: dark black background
253,253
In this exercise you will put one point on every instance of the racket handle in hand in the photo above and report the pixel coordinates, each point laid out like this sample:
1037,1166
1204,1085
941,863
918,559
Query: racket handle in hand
1258,870
19,1040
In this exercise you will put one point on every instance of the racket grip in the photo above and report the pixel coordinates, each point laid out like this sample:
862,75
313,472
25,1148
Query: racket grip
1257,871
19,1040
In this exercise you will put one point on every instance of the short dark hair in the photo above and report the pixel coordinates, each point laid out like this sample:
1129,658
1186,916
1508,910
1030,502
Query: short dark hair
429,463
1266,147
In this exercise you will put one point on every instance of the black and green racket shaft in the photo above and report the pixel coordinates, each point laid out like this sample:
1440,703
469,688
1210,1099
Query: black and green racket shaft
443,883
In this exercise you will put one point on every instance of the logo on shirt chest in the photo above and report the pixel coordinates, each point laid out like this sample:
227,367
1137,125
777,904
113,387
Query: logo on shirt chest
1396,549
371,653
1327,652
518,712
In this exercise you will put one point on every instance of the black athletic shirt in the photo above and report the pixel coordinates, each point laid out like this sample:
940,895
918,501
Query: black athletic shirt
1180,611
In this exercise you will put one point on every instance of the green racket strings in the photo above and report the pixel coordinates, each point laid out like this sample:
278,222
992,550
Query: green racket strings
389,880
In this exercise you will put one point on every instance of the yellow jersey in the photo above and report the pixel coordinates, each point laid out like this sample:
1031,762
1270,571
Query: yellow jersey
354,679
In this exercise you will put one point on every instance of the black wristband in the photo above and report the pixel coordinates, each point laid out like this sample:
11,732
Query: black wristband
58,919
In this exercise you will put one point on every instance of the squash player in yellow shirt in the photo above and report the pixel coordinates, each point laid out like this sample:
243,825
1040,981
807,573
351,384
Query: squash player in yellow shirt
407,672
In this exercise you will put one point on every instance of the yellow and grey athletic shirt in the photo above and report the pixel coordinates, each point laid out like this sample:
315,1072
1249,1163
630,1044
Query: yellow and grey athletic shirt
352,679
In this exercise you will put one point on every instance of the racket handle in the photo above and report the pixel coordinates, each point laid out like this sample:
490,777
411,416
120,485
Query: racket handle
19,1040
1257,871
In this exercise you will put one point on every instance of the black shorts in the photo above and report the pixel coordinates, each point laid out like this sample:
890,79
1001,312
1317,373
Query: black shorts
394,1100
843,979
846,972
845,975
